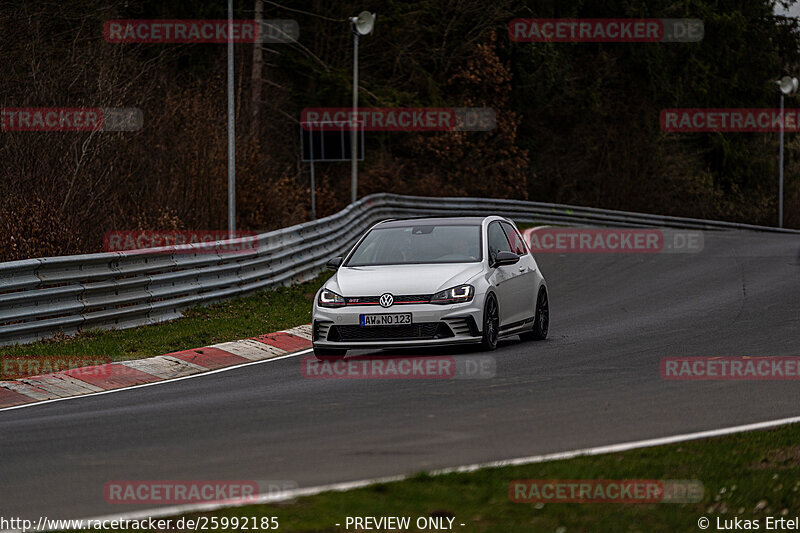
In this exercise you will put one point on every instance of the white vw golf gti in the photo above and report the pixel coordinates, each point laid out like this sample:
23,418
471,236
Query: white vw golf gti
430,282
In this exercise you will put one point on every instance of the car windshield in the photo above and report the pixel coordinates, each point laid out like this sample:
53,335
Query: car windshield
423,243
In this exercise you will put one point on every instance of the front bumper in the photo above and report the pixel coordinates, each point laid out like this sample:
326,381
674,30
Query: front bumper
432,325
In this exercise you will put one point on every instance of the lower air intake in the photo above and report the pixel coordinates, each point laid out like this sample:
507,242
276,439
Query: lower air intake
421,331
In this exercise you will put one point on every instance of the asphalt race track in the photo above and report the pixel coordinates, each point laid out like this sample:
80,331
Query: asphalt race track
595,381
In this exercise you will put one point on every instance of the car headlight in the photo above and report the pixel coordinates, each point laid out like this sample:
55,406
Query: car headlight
454,295
330,299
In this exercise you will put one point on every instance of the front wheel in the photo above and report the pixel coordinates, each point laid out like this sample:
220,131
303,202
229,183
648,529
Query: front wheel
329,354
541,320
491,324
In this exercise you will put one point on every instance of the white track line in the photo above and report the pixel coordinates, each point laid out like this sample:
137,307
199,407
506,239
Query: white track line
177,510
209,372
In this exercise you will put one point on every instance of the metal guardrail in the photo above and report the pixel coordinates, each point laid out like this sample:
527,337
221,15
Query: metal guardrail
40,298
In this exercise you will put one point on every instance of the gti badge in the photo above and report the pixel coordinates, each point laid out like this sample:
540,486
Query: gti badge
386,300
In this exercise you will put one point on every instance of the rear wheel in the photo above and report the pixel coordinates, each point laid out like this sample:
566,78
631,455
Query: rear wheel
491,324
541,320
329,354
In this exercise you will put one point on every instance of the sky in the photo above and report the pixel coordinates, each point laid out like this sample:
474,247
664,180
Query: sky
793,11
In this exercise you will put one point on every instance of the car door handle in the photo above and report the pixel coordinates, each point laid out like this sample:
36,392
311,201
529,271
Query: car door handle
522,269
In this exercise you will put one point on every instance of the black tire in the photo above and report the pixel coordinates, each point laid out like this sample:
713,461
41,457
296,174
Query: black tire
491,324
329,354
541,320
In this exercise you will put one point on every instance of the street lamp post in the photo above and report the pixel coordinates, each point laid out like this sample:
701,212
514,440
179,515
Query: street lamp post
361,25
231,131
787,85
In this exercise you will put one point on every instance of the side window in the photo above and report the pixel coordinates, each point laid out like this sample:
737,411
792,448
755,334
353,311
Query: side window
517,243
497,240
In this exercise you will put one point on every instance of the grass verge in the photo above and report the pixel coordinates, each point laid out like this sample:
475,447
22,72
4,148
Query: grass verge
746,476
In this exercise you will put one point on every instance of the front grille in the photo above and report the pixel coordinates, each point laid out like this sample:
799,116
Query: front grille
399,299
420,331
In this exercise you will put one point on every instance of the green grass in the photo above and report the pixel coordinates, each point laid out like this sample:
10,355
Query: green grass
263,312
747,475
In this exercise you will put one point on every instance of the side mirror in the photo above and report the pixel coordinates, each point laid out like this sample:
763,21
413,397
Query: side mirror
505,258
334,264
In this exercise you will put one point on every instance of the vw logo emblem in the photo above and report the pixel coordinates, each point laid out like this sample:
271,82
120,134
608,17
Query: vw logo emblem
386,300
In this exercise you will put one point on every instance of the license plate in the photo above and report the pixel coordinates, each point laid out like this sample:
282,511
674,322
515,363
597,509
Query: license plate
385,320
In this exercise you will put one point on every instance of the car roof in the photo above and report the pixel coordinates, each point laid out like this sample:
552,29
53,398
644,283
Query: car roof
432,221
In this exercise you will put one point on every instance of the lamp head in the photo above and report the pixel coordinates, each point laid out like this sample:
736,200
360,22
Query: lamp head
788,85
363,23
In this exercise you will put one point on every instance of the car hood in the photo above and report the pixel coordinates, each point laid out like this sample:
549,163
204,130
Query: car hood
401,279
